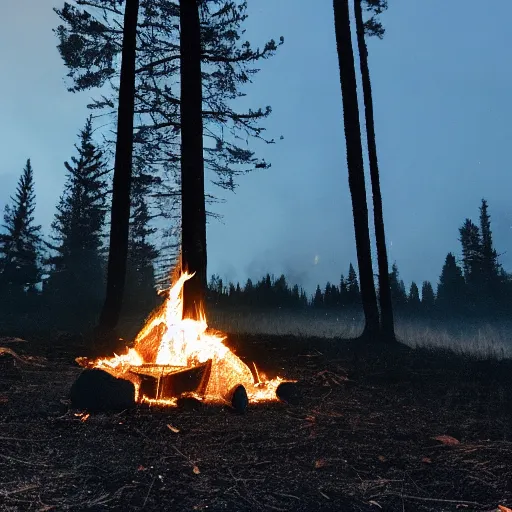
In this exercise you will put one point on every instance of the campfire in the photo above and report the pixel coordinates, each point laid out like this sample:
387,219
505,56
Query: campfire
173,357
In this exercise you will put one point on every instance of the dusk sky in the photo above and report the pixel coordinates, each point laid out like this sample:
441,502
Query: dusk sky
441,82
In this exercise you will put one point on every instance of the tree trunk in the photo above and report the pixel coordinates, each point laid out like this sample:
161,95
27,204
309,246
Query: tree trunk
120,214
193,209
355,166
386,307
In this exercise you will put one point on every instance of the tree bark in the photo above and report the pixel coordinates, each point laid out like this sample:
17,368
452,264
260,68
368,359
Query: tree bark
386,307
193,209
356,166
120,214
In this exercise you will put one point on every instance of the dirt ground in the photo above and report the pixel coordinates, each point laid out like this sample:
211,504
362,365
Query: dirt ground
375,430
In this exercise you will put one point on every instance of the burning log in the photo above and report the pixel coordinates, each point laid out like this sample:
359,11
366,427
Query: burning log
158,381
97,391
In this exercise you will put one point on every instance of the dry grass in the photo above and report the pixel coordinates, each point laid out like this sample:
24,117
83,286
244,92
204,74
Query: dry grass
485,339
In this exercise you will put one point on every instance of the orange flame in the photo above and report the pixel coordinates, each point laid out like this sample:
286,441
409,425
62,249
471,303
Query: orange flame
170,344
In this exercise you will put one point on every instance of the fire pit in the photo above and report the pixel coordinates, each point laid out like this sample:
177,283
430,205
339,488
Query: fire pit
174,357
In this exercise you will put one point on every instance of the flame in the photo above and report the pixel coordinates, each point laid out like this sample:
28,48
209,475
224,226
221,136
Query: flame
169,344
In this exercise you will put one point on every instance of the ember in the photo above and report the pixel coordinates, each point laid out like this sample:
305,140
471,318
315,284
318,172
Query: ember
174,357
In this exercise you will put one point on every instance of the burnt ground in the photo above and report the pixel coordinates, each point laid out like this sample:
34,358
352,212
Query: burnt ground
362,438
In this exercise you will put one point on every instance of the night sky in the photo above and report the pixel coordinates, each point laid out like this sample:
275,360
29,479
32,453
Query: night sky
441,82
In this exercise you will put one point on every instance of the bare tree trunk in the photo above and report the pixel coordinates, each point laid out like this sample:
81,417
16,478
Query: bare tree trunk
356,166
193,209
120,215
386,307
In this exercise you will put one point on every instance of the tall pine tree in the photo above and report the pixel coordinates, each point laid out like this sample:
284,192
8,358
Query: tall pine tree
140,293
374,27
428,297
471,254
20,244
355,166
353,295
451,290
77,267
491,270
397,287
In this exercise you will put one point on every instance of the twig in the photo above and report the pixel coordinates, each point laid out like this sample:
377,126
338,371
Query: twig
2,438
27,462
149,490
324,495
435,500
21,489
286,495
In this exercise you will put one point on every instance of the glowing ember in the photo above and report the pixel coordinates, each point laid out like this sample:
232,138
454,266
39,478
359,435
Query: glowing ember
168,345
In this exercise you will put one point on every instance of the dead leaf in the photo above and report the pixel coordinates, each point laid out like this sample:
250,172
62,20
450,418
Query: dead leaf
426,460
196,470
85,417
320,463
141,468
501,508
382,458
173,429
448,440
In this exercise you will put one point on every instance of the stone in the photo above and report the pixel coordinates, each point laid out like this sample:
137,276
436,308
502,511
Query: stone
288,392
239,399
97,391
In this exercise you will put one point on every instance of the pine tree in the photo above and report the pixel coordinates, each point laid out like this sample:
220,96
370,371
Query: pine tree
490,268
318,299
343,291
353,293
21,243
77,266
248,292
427,297
90,43
471,253
295,297
140,291
451,289
374,27
355,166
398,293
413,299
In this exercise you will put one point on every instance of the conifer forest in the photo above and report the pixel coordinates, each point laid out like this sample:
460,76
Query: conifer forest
255,256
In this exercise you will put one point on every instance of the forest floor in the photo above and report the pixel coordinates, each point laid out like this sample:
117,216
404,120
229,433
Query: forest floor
376,429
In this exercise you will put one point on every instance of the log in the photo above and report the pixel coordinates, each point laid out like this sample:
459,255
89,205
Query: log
288,392
97,391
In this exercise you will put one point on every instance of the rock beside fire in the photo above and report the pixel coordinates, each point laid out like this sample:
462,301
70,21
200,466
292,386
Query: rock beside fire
189,403
98,391
288,392
239,399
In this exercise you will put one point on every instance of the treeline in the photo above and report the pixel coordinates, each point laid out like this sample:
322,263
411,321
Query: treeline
64,275
475,284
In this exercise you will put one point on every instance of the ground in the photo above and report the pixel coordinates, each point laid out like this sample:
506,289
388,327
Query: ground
376,429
